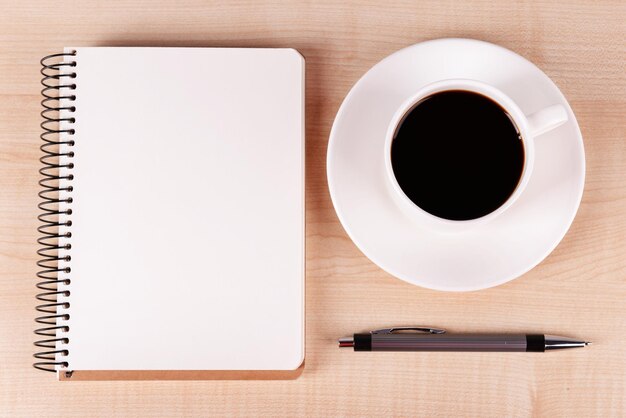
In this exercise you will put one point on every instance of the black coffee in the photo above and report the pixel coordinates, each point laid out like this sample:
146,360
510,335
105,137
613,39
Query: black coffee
457,155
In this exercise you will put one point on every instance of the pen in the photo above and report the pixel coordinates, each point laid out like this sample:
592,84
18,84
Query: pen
420,338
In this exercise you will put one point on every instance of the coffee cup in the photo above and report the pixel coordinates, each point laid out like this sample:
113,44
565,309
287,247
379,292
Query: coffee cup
459,153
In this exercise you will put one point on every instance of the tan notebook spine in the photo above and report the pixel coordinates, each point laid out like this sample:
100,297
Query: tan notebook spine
58,71
183,374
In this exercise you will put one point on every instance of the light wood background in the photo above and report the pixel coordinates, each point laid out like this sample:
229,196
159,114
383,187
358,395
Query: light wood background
580,290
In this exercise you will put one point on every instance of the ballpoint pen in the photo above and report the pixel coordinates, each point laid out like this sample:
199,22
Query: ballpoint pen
421,338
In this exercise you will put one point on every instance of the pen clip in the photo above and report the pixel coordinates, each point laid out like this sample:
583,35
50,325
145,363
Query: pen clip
429,330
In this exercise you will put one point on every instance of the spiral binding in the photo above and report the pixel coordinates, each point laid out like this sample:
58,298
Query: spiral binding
55,206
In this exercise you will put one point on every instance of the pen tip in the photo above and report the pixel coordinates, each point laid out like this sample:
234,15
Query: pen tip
587,342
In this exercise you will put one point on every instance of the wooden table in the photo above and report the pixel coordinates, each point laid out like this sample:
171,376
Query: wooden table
579,290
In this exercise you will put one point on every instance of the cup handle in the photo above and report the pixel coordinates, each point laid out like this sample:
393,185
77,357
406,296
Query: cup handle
547,119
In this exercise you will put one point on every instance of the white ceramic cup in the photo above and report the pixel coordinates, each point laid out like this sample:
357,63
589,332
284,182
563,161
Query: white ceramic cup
528,126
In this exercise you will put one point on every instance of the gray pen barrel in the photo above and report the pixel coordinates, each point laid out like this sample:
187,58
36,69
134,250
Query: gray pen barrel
445,342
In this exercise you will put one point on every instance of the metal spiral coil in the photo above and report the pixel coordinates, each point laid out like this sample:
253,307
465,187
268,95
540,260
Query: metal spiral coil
55,203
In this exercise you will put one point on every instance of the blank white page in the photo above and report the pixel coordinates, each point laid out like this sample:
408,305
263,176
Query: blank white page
187,247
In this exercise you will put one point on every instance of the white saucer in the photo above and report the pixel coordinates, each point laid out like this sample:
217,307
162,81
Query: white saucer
489,254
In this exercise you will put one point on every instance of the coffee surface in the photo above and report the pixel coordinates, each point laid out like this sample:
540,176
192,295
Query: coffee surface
457,155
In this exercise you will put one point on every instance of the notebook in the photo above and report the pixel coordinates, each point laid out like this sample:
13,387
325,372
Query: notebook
172,235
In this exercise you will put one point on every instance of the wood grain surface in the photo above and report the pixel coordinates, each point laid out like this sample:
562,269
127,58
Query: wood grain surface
579,290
